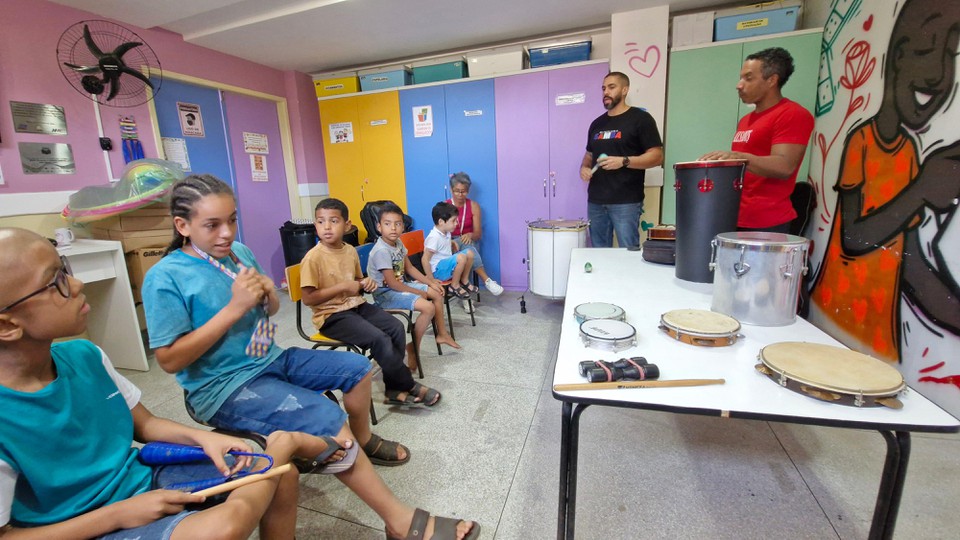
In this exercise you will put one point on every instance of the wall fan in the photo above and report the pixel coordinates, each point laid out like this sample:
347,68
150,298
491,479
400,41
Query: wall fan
105,61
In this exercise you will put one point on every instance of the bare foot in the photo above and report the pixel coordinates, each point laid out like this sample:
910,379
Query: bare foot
445,339
411,358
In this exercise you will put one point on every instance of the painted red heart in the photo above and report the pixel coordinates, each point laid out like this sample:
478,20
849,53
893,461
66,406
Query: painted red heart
647,64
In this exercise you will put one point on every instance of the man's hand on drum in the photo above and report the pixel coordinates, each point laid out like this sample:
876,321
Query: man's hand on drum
720,155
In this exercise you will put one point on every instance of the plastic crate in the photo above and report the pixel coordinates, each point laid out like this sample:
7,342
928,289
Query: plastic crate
440,71
391,78
756,20
337,85
561,53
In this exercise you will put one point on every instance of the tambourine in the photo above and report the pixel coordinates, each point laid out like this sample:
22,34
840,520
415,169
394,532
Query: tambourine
832,374
700,327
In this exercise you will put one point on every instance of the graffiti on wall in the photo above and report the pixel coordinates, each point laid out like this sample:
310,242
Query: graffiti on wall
886,168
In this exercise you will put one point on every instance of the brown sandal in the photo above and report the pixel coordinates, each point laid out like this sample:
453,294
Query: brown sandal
384,452
443,528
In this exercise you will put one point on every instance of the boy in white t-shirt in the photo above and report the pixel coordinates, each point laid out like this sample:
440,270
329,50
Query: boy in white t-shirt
439,260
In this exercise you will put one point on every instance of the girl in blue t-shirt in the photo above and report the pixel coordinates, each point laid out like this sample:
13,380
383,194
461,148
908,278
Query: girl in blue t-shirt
208,304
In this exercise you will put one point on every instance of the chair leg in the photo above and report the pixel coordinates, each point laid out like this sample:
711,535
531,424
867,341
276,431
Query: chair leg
476,283
373,414
473,321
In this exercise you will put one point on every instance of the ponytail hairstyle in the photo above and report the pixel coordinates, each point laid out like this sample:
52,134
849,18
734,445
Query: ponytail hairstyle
185,195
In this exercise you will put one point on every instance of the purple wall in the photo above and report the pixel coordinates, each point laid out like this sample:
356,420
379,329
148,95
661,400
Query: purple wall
28,40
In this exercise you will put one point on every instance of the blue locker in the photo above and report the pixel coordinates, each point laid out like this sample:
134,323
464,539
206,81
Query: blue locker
472,148
425,157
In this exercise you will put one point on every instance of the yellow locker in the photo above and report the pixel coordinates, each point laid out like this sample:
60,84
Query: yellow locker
363,147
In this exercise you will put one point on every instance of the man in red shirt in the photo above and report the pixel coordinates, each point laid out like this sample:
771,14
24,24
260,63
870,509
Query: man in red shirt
772,139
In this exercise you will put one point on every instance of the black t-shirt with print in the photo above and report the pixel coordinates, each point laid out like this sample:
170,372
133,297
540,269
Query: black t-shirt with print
629,134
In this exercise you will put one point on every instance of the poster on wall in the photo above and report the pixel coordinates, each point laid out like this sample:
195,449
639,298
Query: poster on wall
38,118
255,143
423,121
175,150
47,158
258,168
341,132
191,121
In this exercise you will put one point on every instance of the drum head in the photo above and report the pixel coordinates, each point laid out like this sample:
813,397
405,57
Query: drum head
550,224
700,321
607,334
598,310
756,238
832,368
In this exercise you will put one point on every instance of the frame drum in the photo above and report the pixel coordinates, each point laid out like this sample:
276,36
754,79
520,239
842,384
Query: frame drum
700,327
832,374
598,310
608,335
549,243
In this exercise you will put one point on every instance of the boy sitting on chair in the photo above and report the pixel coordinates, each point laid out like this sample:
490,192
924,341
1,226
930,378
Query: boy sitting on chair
332,284
439,260
389,265
67,468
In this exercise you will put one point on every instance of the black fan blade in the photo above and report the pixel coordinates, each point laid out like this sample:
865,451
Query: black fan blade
86,70
90,44
113,78
122,49
137,74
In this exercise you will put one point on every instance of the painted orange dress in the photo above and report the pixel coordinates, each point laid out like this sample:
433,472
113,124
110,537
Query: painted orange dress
861,293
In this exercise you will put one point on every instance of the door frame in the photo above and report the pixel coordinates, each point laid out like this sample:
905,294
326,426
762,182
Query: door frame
283,117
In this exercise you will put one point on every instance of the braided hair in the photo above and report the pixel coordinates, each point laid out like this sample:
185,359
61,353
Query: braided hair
185,195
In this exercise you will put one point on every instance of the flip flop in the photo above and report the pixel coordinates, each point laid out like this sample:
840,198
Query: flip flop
390,398
444,528
317,465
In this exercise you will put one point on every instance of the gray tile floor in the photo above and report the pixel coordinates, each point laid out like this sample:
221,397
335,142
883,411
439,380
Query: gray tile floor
490,452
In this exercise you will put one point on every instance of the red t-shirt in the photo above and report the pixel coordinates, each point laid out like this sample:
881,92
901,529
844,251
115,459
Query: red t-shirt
765,202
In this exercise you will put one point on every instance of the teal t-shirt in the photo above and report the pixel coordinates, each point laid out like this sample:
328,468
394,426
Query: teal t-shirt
180,294
70,442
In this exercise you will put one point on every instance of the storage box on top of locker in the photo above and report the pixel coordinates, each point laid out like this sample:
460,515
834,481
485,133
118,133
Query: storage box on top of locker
551,54
756,20
388,77
440,69
494,61
337,84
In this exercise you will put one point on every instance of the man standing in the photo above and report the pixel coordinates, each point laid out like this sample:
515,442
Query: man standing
621,143
772,139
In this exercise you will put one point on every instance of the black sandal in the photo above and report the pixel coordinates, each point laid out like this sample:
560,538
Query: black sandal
460,292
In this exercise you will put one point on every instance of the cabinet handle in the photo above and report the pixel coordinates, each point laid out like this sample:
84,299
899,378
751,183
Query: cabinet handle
362,196
554,180
544,188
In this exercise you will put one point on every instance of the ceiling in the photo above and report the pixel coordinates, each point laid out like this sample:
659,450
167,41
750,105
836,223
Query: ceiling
317,36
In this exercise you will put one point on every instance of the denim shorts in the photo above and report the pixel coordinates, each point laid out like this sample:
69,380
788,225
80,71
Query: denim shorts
445,268
288,394
161,529
387,298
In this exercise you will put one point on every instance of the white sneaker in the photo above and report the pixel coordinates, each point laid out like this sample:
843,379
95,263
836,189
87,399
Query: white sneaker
467,306
494,287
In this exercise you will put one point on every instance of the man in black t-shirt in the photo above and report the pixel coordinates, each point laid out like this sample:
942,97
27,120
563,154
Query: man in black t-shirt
621,143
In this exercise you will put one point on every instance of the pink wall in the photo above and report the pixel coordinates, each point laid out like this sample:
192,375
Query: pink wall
29,72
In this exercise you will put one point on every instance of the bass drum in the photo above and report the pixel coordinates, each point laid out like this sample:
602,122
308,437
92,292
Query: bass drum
549,243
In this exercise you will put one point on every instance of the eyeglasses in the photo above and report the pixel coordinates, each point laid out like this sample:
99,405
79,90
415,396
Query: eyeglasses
60,282
461,191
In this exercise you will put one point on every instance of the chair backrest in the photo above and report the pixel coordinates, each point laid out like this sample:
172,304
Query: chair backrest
413,241
364,253
293,282
370,216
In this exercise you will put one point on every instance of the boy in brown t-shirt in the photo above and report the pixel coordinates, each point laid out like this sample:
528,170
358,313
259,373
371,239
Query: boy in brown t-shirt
332,283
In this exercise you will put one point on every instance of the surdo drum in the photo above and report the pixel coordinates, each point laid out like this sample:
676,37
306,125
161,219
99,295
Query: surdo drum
549,243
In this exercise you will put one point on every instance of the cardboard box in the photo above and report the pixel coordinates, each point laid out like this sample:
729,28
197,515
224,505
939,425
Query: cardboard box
337,85
138,262
756,20
151,217
692,29
558,53
494,61
133,240
440,69
385,78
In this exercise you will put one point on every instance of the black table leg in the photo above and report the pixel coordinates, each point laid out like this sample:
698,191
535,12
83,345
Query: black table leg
569,443
891,484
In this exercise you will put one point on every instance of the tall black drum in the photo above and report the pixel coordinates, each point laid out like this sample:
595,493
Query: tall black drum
708,201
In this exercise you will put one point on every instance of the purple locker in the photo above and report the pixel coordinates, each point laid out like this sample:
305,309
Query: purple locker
542,121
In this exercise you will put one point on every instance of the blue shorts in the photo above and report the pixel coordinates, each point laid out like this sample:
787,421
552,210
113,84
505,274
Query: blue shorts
288,395
161,529
445,268
387,298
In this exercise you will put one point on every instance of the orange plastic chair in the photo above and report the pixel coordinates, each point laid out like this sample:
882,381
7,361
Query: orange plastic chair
413,241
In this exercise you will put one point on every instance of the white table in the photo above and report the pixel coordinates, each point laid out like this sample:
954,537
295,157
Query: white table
645,291
112,323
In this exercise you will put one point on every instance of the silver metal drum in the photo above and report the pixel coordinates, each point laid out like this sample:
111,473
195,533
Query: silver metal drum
756,276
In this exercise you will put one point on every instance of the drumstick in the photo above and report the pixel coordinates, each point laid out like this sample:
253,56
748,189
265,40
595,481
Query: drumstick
234,484
636,384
